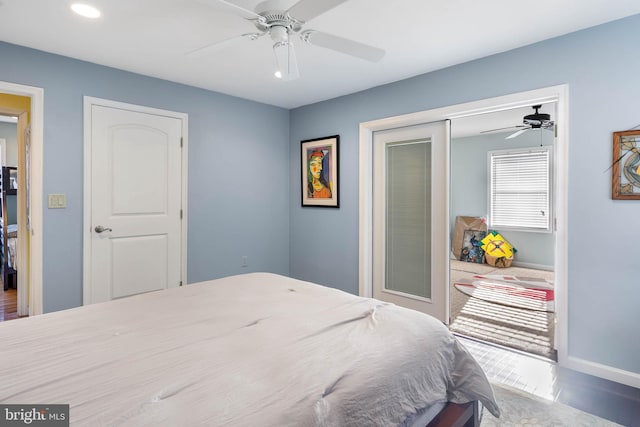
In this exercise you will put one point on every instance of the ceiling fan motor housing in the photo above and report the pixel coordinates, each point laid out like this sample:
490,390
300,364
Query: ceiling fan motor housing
537,120
277,19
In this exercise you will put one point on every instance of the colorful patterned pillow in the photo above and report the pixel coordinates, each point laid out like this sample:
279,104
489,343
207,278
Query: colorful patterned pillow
497,246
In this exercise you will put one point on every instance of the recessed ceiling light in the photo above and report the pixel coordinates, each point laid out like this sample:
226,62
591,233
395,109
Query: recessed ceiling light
278,74
85,10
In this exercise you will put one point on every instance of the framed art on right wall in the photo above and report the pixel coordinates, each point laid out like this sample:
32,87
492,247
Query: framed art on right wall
625,184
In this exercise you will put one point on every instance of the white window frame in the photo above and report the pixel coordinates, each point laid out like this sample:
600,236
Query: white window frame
522,224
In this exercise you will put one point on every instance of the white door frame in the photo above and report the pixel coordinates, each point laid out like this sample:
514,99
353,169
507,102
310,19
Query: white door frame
36,95
559,94
89,102
3,152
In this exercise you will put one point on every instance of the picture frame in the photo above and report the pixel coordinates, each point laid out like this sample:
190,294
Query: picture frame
319,167
472,246
625,183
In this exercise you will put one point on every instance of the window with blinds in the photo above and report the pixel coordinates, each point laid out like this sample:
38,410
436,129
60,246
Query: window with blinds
520,189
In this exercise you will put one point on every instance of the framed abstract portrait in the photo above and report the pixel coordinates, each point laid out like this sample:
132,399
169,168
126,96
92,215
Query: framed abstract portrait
626,165
319,172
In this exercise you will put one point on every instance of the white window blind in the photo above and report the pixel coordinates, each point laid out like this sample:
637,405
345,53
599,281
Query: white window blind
520,189
408,218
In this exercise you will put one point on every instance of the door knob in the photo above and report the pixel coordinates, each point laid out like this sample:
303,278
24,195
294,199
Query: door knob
100,229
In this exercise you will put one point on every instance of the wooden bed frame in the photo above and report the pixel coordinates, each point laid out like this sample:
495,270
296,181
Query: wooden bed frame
458,415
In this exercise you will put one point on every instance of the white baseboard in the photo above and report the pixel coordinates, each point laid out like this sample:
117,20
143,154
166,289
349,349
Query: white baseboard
532,265
603,371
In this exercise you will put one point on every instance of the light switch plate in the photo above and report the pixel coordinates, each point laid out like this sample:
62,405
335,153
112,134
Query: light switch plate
57,201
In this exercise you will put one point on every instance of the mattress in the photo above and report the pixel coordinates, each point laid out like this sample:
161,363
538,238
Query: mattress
254,349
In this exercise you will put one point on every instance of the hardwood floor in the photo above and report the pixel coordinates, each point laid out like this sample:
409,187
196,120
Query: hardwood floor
543,378
8,305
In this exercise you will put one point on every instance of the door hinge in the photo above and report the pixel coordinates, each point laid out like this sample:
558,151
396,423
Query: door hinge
180,213
181,142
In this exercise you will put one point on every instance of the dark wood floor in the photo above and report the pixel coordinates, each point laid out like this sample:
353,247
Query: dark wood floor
543,378
8,305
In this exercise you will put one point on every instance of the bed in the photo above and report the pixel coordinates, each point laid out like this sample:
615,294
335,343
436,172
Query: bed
253,349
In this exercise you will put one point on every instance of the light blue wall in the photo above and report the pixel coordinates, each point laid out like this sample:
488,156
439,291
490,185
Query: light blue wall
231,214
238,169
9,132
469,189
600,65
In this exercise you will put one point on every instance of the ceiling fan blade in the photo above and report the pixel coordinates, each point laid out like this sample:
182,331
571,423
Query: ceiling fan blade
306,10
286,61
231,8
339,44
222,44
499,129
518,133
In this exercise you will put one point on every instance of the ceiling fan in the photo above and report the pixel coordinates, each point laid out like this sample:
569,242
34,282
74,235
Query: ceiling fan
282,25
536,120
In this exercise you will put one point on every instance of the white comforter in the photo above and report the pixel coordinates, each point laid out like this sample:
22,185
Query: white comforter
248,350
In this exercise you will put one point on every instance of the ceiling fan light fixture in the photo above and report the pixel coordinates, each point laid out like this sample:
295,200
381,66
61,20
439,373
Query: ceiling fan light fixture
279,34
86,10
286,63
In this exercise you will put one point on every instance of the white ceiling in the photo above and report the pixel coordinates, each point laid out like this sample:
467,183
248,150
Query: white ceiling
153,37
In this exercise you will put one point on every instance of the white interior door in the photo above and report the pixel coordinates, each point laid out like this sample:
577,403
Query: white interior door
135,208
410,217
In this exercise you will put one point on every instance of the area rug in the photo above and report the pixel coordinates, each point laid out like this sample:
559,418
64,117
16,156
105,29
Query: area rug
523,292
523,409
522,329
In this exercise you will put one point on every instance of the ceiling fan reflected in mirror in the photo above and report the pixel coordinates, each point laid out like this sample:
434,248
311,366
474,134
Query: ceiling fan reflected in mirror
282,25
536,120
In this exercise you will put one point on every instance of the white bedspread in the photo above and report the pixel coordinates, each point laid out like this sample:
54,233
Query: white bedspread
248,350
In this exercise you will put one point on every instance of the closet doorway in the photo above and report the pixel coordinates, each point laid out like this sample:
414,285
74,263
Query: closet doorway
502,200
554,94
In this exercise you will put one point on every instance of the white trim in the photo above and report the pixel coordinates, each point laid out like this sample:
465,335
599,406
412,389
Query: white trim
36,191
558,94
3,152
603,371
22,280
561,199
365,224
406,295
533,266
86,240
